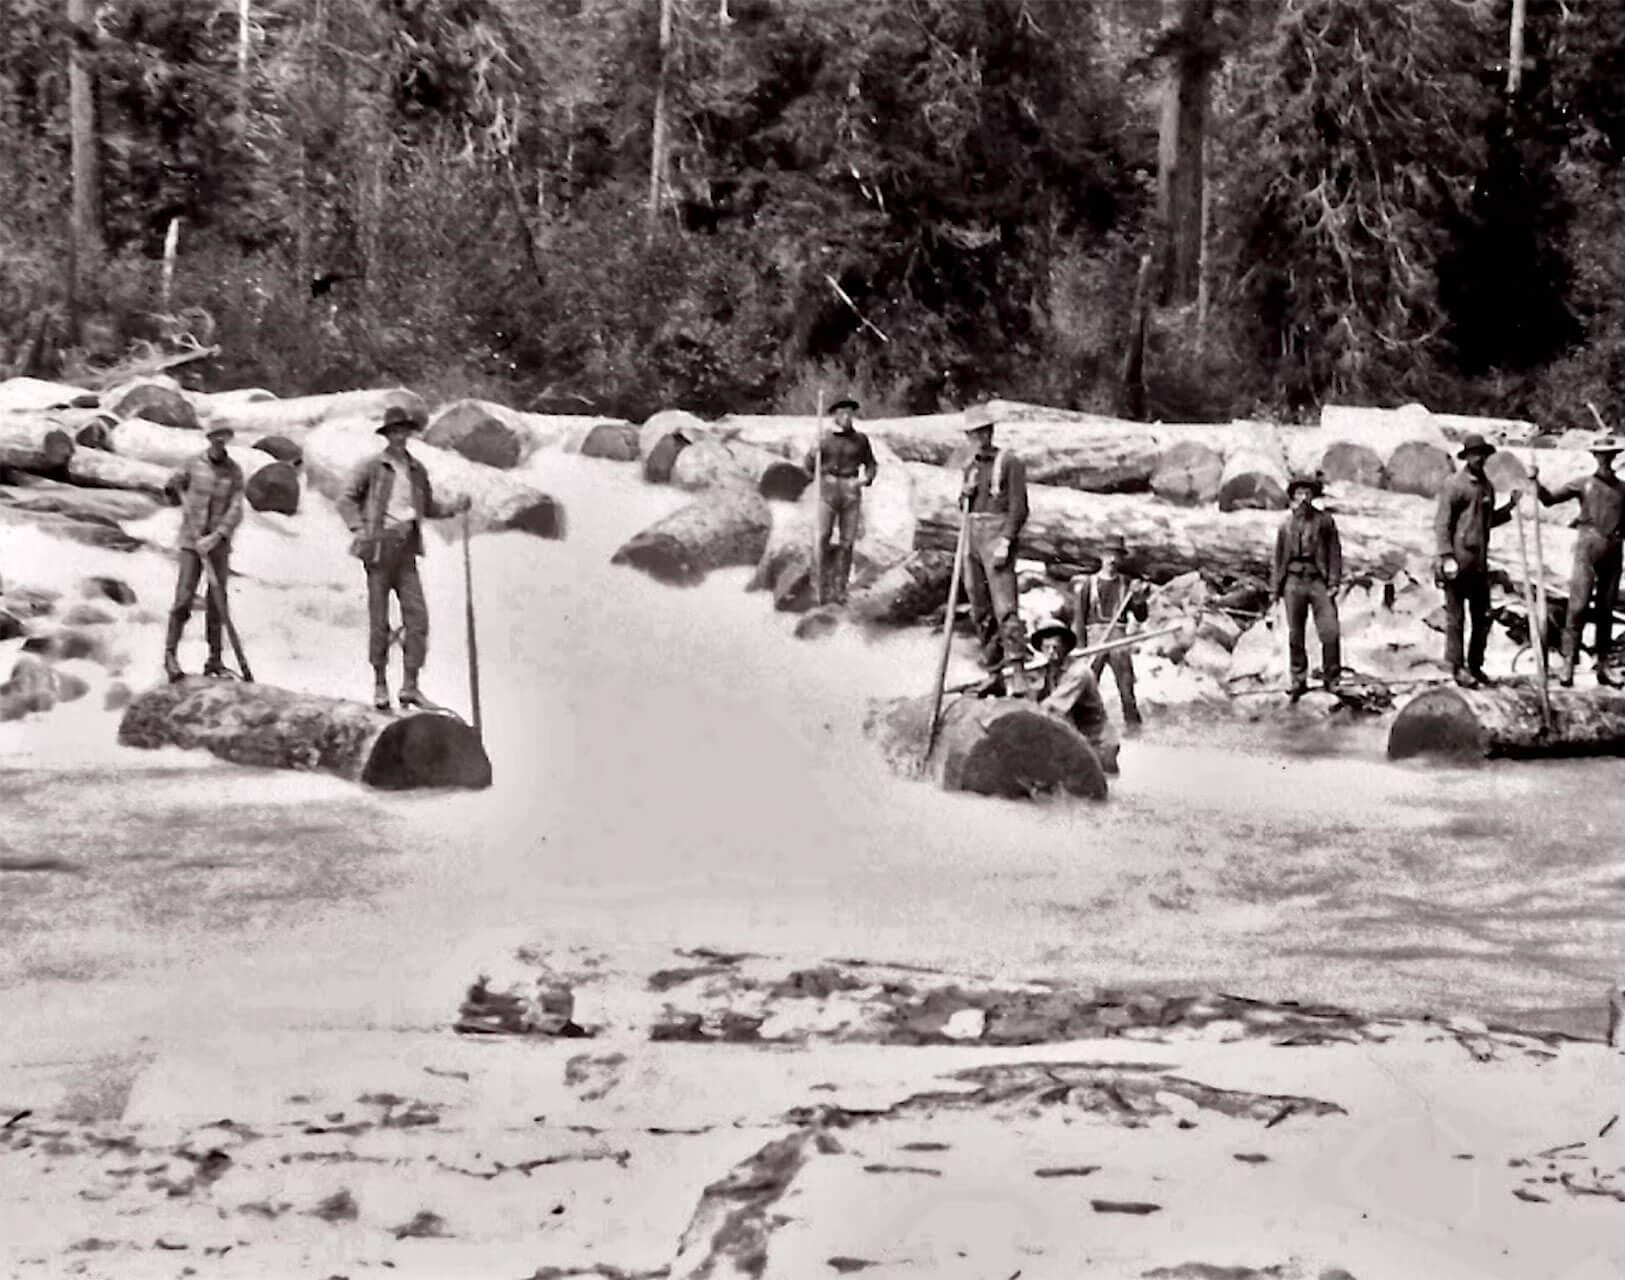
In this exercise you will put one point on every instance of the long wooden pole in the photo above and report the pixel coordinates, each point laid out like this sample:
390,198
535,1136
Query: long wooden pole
218,589
468,622
1105,646
1537,624
947,637
818,505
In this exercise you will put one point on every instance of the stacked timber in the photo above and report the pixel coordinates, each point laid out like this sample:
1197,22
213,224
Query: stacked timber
1507,720
501,500
988,746
34,442
270,728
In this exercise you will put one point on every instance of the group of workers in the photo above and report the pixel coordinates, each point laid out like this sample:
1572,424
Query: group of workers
384,505
1306,569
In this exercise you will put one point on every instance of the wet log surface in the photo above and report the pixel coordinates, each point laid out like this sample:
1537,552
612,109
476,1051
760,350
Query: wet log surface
265,727
1505,720
727,526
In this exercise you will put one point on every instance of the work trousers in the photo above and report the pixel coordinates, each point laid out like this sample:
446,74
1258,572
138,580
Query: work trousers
1594,582
1467,594
190,574
1121,661
1306,593
991,588
395,568
1075,697
840,510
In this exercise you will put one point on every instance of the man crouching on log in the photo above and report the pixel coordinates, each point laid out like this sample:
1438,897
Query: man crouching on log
846,461
210,491
1071,690
1600,529
1308,569
1462,524
384,506
993,496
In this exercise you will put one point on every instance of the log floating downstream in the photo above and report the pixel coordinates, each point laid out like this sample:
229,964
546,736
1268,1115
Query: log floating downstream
265,727
1505,720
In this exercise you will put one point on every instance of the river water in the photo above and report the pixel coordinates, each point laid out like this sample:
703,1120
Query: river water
673,768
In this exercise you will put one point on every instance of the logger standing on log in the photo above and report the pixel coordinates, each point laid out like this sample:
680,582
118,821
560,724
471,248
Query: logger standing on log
1599,533
993,495
1308,569
846,460
1466,514
1106,601
384,506
210,492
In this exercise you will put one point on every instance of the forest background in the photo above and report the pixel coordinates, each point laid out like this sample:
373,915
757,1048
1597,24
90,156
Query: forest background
1176,209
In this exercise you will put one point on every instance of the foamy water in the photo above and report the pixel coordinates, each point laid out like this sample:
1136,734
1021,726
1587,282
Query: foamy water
673,768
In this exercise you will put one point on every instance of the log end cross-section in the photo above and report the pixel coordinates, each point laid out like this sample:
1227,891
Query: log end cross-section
265,727
1506,720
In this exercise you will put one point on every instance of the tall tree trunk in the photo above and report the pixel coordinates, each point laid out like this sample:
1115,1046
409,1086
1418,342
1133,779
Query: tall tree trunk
244,17
1515,51
657,149
85,239
1179,158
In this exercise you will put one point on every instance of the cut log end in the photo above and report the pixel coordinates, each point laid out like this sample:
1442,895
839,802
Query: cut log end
429,750
660,459
541,518
663,558
1507,720
1437,723
274,487
615,441
281,448
784,482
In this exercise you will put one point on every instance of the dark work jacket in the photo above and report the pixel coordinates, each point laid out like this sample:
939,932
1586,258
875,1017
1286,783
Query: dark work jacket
366,498
997,484
1095,601
845,453
1311,543
1465,516
1602,503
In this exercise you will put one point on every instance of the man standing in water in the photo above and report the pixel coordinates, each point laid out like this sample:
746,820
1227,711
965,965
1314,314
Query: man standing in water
384,506
1594,580
1466,513
210,492
1307,570
1102,605
847,463
993,496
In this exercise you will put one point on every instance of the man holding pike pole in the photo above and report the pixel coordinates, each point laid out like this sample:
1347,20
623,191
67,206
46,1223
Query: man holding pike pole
1462,522
1599,533
1306,572
1103,605
844,463
209,489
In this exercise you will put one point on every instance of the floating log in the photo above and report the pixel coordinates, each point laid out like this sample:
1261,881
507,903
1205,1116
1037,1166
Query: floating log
98,470
1188,473
28,394
33,442
268,484
110,506
1420,468
157,400
1505,720
908,591
990,746
728,526
663,437
612,441
711,461
502,500
297,416
493,434
270,728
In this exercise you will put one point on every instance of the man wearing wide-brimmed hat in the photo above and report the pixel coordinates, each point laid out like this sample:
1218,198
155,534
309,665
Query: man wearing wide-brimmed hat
1599,534
846,462
1306,572
209,489
993,496
384,505
1465,515
1104,607
1070,691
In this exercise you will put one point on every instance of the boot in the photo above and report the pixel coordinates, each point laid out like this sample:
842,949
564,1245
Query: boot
380,691
172,642
215,668
841,573
1465,678
172,667
412,696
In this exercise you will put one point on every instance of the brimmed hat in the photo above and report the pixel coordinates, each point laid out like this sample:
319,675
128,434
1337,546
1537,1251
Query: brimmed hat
1054,628
218,429
397,415
1607,444
979,416
1311,483
1114,542
845,402
1475,443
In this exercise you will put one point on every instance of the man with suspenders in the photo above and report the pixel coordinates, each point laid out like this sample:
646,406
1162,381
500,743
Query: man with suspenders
1102,605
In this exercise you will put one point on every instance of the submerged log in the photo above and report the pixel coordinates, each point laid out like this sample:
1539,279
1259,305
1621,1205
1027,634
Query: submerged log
270,728
268,483
728,526
502,500
157,400
32,442
1505,720
990,746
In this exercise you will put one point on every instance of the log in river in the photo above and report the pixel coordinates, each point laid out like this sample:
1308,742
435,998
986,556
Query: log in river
271,728
1505,720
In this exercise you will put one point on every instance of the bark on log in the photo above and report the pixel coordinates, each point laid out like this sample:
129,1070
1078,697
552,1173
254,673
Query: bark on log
990,746
157,400
728,526
501,499
1505,721
710,461
295,418
31,442
1252,480
1188,473
1420,468
663,437
104,506
906,592
265,727
27,394
268,484
98,470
